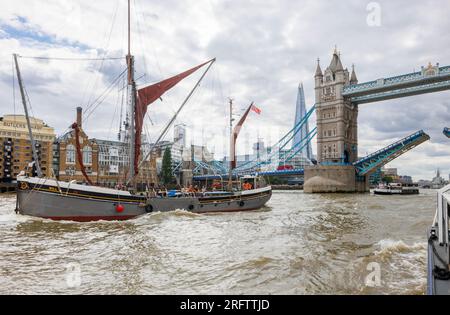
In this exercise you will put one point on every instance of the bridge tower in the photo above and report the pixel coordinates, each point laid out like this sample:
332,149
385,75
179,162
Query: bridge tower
337,118
337,127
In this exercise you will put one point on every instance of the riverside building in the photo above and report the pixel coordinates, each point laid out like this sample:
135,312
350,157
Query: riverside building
15,147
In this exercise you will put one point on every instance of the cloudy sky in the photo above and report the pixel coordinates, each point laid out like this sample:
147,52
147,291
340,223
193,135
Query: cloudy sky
264,49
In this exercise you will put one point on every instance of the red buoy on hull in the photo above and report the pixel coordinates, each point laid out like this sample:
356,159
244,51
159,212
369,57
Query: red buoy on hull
120,208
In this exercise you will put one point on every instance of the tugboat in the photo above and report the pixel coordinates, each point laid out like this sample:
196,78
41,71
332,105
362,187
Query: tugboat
397,189
52,199
438,247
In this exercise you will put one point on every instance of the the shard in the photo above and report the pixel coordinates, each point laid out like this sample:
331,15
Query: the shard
300,114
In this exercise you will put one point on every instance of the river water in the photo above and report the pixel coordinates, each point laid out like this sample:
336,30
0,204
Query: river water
298,244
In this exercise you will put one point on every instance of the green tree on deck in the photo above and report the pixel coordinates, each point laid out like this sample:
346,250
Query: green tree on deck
166,174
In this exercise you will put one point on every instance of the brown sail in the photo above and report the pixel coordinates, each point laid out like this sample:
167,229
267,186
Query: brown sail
149,95
236,132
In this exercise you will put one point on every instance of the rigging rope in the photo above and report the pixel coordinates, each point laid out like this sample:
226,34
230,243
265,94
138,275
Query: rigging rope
108,41
71,59
100,99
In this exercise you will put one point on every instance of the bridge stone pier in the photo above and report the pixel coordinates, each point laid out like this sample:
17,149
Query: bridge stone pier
333,179
338,96
337,133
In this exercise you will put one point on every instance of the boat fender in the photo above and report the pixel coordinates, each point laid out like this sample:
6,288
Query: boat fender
149,208
191,207
441,274
120,208
241,204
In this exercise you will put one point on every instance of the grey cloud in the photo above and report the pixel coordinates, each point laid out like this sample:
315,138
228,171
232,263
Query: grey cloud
264,49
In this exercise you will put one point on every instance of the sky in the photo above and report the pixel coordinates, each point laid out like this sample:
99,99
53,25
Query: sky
264,49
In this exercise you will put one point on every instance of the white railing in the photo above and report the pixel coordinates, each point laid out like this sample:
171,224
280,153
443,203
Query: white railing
441,219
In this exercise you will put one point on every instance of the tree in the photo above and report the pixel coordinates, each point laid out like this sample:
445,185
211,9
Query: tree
388,180
166,174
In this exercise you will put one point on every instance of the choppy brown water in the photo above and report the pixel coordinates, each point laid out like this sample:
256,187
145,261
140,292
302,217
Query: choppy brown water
299,244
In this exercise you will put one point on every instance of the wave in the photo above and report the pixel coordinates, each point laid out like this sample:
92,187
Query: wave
389,247
13,218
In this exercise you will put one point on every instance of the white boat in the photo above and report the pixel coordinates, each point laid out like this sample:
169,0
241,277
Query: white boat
396,189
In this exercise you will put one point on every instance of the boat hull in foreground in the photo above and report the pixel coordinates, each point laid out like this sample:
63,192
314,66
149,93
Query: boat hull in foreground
438,275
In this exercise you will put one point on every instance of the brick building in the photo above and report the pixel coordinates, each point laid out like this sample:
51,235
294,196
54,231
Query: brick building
15,146
106,162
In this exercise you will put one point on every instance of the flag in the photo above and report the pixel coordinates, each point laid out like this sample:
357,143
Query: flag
256,110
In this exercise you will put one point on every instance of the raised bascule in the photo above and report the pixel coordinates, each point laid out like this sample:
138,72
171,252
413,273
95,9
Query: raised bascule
338,96
447,132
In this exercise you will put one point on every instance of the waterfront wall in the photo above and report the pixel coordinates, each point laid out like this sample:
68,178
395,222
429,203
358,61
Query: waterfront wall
7,187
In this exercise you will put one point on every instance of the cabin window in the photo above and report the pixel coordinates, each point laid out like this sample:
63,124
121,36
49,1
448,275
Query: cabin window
70,154
87,156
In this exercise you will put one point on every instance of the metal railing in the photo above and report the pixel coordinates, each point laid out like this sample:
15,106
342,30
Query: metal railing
441,218
393,81
401,92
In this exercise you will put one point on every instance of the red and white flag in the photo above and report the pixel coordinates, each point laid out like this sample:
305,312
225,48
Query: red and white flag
256,110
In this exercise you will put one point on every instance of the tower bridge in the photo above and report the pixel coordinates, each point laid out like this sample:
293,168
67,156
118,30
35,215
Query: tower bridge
338,96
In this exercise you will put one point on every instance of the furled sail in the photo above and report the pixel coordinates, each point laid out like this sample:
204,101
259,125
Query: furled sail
149,95
236,132
76,127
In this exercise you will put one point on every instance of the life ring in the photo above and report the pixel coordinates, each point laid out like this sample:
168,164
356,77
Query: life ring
148,208
241,204
24,186
191,207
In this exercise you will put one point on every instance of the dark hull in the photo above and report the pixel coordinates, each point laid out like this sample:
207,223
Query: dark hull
57,201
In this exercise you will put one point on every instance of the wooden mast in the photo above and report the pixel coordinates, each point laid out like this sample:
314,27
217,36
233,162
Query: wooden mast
30,131
234,133
232,150
132,101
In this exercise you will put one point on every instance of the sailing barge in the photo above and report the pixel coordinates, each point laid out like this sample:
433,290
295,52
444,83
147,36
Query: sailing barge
57,200
51,199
